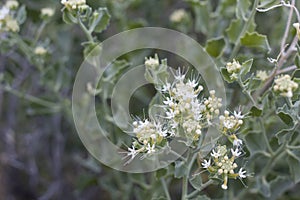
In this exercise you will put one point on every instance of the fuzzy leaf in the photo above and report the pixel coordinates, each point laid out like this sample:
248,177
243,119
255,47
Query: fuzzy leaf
68,18
100,20
196,181
294,165
256,40
254,142
226,75
242,9
255,112
161,173
21,15
279,185
180,169
234,29
246,67
285,135
202,13
215,46
201,197
263,187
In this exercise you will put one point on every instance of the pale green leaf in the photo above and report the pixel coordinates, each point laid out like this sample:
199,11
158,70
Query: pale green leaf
215,46
255,40
242,8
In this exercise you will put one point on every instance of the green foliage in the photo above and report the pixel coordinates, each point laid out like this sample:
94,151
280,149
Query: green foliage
39,61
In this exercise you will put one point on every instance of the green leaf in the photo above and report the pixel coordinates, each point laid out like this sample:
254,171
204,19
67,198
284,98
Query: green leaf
99,20
196,181
254,142
279,185
246,67
215,46
226,75
91,49
234,29
256,40
285,135
253,84
180,169
268,3
201,197
242,9
21,15
68,18
297,61
202,13
285,115
161,173
263,186
294,165
255,112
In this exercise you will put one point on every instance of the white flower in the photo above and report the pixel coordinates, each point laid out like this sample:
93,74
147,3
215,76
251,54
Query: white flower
4,11
262,75
166,87
242,173
152,62
237,142
238,114
178,15
206,164
47,12
285,86
233,67
39,50
236,152
73,4
132,152
215,154
150,149
224,187
12,4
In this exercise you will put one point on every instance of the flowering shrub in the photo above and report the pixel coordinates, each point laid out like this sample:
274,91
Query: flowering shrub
194,141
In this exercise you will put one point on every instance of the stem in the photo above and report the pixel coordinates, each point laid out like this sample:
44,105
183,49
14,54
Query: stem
265,136
163,182
194,193
287,28
184,187
33,99
245,28
85,30
247,93
39,32
273,160
287,69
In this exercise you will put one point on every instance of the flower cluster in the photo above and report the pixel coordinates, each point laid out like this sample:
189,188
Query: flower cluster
183,108
212,106
152,62
8,23
230,123
40,50
222,166
262,75
178,16
285,86
233,68
47,13
74,4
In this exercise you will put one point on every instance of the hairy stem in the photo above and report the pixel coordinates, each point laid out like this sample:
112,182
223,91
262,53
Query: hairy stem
165,187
